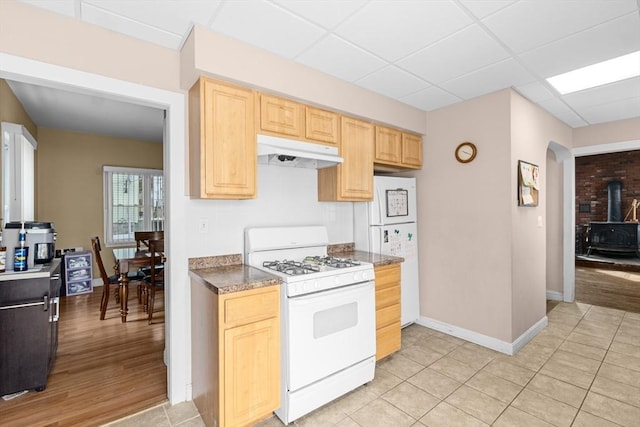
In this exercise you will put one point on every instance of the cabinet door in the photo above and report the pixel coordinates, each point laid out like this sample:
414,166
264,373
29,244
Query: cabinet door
251,372
412,150
281,116
229,142
388,145
353,179
322,126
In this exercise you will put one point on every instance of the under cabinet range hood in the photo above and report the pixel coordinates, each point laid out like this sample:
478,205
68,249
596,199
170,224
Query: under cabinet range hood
286,152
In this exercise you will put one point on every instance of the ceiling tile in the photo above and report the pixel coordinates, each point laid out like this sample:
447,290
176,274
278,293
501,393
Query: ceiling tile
394,29
170,15
453,56
430,98
489,79
392,82
118,23
526,25
326,13
535,92
617,110
64,7
266,26
609,40
606,94
485,8
560,110
334,56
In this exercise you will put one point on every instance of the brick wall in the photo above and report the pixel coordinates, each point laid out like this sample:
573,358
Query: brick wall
593,173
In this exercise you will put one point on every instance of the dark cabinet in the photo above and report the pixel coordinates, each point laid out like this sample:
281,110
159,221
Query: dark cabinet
29,311
618,237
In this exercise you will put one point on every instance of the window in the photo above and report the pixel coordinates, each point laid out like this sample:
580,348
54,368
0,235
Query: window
133,201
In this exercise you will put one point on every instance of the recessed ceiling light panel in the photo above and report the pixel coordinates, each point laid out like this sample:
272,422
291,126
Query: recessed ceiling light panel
613,70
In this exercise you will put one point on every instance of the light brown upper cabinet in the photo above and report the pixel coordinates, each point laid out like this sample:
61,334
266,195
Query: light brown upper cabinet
222,139
281,116
397,150
411,150
388,145
353,179
322,126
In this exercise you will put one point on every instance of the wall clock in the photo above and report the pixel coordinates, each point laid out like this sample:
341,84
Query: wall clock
466,152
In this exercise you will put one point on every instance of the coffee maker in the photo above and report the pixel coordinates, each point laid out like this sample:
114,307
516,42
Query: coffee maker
40,240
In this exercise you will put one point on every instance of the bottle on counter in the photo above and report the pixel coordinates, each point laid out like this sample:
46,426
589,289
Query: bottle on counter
21,253
3,256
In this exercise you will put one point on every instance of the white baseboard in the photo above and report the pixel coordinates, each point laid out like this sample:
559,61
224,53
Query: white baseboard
555,296
485,340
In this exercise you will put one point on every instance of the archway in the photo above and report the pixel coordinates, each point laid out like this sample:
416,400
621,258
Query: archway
561,218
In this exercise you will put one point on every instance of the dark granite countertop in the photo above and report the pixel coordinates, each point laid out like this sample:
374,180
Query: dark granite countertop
226,274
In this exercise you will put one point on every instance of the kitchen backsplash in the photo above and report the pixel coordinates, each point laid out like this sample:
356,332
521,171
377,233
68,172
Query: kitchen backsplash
286,196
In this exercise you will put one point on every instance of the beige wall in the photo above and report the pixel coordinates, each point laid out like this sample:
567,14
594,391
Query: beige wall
38,34
532,129
465,241
69,179
606,133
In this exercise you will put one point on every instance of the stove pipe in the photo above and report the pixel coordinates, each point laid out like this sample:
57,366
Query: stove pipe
614,208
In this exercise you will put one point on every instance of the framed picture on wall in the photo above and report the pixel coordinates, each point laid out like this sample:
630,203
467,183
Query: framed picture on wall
528,184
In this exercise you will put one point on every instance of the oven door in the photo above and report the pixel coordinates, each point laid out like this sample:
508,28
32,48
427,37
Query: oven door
329,331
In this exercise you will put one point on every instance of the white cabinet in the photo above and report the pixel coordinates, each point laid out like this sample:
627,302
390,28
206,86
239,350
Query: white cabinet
18,173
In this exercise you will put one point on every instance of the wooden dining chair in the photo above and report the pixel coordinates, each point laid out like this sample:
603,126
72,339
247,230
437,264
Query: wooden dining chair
107,280
155,279
143,238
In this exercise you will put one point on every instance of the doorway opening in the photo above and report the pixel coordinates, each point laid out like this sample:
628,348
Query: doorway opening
177,345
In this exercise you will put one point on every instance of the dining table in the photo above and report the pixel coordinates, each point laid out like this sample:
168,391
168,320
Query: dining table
128,259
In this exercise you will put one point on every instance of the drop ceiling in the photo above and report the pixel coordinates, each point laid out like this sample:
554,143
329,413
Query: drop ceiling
425,53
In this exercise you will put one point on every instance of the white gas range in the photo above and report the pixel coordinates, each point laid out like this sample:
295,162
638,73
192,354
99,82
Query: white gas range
328,316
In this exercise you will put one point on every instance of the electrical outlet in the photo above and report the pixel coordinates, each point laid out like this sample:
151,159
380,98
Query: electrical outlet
203,226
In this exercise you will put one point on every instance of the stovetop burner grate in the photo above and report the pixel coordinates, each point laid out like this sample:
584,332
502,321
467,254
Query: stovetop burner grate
310,264
292,268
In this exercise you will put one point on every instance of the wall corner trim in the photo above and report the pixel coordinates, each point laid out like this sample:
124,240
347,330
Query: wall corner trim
485,340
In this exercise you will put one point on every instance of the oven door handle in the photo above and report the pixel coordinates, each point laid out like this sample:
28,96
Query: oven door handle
344,292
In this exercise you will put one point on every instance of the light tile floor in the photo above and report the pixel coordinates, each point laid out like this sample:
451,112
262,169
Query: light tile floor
583,369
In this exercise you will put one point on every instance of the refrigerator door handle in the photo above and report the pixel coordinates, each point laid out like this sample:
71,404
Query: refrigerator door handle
56,316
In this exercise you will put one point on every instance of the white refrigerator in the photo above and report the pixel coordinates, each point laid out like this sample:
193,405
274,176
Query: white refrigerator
388,226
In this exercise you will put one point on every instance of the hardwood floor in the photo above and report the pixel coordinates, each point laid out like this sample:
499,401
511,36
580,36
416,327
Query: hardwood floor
104,370
608,288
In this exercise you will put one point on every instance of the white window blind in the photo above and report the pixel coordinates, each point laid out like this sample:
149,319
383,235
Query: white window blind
133,201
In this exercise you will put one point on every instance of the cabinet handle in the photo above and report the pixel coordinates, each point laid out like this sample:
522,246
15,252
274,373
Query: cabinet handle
29,304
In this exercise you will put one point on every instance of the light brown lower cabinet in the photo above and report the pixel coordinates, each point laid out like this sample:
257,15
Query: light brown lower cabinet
235,354
388,315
